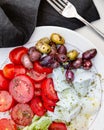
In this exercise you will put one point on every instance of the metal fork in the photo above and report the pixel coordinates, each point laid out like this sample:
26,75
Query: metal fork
68,10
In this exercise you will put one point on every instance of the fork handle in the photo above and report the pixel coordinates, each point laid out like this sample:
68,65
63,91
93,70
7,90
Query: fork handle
90,25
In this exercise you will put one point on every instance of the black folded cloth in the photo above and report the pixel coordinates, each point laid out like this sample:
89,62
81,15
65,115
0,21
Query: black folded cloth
18,18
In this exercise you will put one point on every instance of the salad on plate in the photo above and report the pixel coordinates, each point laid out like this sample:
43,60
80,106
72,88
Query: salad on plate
49,86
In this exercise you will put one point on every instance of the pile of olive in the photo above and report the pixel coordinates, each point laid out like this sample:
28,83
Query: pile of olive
56,54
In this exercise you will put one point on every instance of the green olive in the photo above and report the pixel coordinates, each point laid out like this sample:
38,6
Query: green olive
45,40
57,38
43,47
72,55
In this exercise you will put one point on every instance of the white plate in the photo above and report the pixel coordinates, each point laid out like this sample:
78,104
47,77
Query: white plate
77,41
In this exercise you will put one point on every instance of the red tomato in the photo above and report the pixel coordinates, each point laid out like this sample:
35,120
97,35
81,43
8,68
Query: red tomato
6,101
41,69
57,126
22,114
37,85
48,101
16,54
7,124
21,88
19,69
37,92
37,77
48,107
48,89
4,83
8,71
37,106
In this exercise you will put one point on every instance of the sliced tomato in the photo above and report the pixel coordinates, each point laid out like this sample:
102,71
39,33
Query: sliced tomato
7,124
48,104
57,126
48,89
19,69
37,106
37,77
8,71
4,83
47,101
37,85
48,107
22,114
6,101
37,92
41,69
16,54
21,88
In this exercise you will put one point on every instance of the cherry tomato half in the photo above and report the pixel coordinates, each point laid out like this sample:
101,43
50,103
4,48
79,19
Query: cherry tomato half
37,92
8,71
48,101
4,83
22,114
37,85
57,126
48,107
37,77
6,101
21,88
16,54
7,124
37,106
19,69
48,104
41,69
48,89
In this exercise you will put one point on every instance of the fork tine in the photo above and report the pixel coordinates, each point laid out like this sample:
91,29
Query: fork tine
59,4
54,6
65,1
62,2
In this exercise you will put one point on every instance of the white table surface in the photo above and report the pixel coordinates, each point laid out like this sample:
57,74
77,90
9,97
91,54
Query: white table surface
85,31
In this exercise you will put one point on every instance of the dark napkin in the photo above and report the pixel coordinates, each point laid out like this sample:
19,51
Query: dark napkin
48,16
18,18
17,21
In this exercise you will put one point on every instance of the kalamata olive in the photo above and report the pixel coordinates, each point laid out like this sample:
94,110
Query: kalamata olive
87,64
61,58
69,75
89,54
43,47
73,54
25,60
34,54
57,38
55,64
77,63
31,50
62,50
67,65
53,49
48,59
